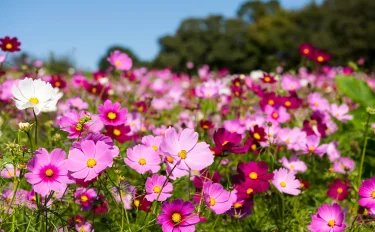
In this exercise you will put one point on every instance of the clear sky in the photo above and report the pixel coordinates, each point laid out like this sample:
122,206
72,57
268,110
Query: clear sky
85,29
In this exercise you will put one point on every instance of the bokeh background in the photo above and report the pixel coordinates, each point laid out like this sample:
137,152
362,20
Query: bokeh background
238,35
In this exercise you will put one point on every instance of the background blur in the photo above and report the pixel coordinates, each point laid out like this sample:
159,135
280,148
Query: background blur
233,34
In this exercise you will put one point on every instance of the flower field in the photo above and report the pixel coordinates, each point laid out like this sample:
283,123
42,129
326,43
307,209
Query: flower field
137,149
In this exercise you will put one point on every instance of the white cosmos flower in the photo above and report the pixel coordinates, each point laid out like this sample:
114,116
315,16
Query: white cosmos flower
36,94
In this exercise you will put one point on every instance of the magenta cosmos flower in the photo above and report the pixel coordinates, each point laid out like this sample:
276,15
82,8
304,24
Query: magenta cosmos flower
338,190
178,216
112,114
87,163
157,188
328,219
143,159
217,198
48,171
120,60
367,193
256,172
85,197
286,182
184,147
277,115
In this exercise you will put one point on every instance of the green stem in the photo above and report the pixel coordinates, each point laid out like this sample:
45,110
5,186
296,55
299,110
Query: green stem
282,211
213,227
36,128
363,150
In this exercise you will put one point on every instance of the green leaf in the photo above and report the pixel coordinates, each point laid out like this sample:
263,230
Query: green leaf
357,90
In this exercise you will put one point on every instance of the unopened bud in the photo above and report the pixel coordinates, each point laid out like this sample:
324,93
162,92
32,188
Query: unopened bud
24,126
370,110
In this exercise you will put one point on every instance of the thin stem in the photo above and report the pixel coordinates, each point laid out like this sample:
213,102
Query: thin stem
36,128
213,227
363,150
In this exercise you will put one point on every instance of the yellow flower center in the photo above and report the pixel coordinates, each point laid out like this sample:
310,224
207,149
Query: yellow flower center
365,212
57,84
288,103
118,63
8,46
256,136
249,191
225,142
267,79
238,84
253,175
84,198
93,90
316,104
292,166
373,194
155,147
136,203
237,205
320,58
271,102
34,100
205,127
116,132
311,149
140,108
254,147
112,115
49,172
79,127
182,154
302,185
142,161
331,223
91,163
283,184
339,190
275,115
156,189
176,217
212,201
306,51
169,159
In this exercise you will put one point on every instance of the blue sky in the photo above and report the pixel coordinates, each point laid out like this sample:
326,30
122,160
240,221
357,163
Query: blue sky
85,29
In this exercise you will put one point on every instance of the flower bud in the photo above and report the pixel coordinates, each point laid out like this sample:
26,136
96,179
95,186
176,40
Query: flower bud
24,126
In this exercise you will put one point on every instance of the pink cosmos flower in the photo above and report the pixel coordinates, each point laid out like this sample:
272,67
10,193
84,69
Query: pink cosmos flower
112,114
90,161
79,80
294,165
207,89
85,197
48,171
125,196
85,227
340,112
120,60
6,89
328,219
367,193
153,142
143,159
185,149
77,124
286,182
217,198
292,138
178,216
8,171
78,103
317,102
343,165
289,83
277,115
234,126
159,130
332,151
312,146
157,188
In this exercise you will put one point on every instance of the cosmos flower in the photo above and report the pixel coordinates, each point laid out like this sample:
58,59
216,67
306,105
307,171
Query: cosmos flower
256,172
186,149
143,159
367,193
321,56
286,182
312,146
294,165
78,103
289,83
343,165
277,115
158,188
206,124
90,161
85,227
57,82
112,114
8,44
329,218
340,112
85,197
120,60
338,190
306,50
217,198
228,141
118,133
48,171
178,216
35,94
8,171
267,78
258,133
317,102
234,126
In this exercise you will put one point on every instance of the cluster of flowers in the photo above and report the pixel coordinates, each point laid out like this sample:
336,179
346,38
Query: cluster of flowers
281,125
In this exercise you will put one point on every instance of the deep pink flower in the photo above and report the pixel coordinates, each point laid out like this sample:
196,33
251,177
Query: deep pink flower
367,193
120,60
85,197
228,141
119,133
217,198
157,188
48,171
255,172
112,114
143,159
307,50
338,190
204,176
286,182
90,161
186,149
178,216
328,219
